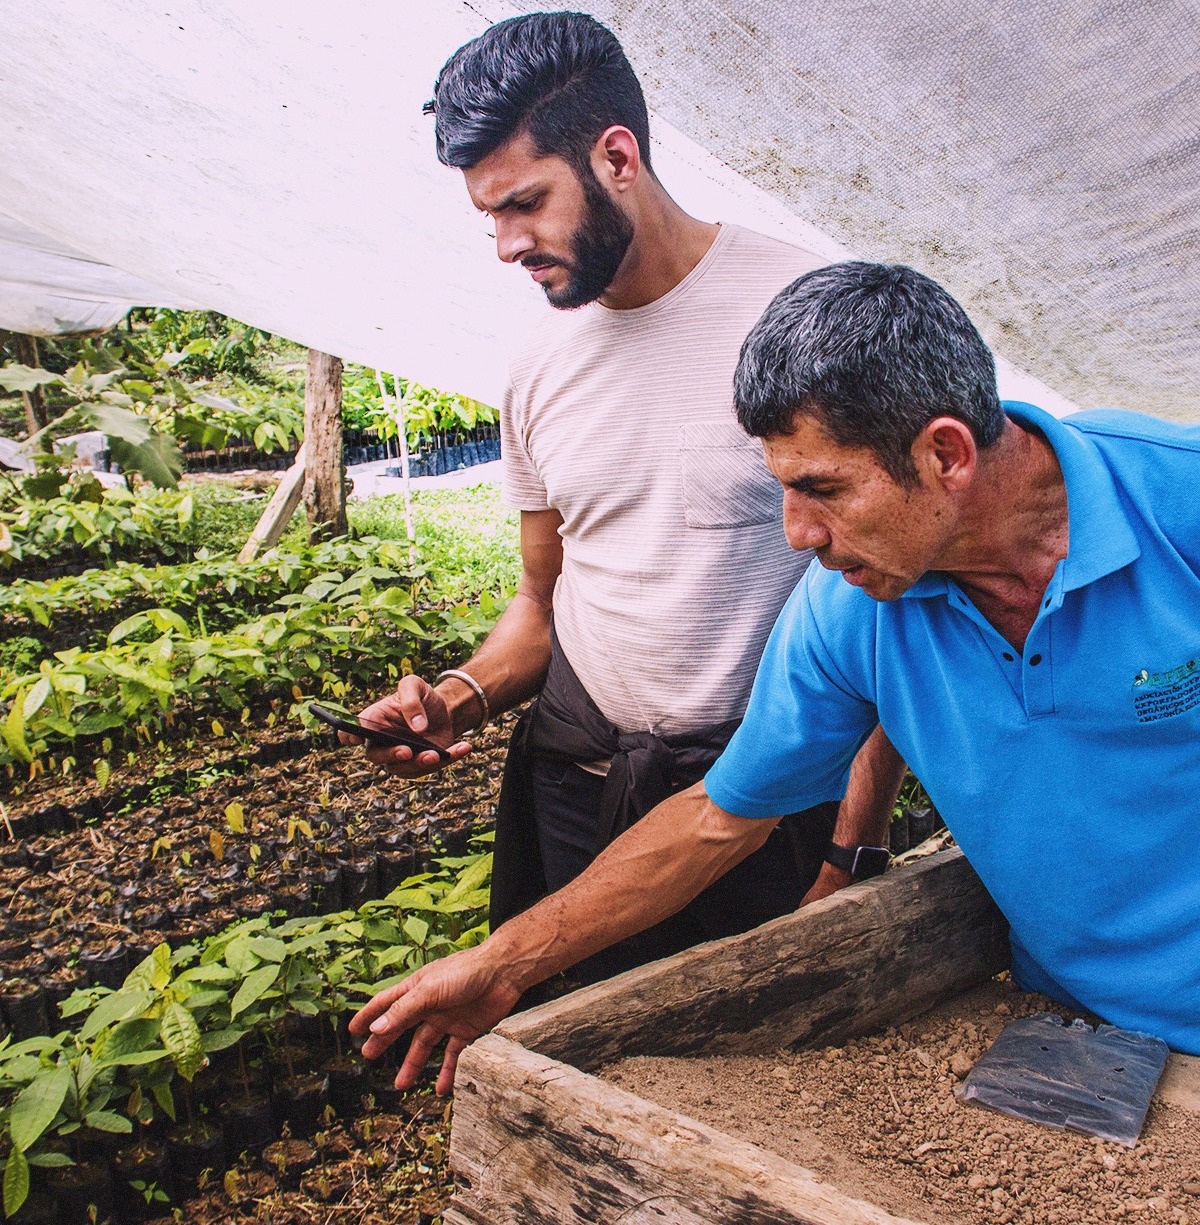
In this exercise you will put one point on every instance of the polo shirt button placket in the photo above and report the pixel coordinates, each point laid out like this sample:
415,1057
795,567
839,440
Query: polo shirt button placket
1036,680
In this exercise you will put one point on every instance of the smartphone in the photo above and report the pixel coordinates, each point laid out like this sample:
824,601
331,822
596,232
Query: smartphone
374,734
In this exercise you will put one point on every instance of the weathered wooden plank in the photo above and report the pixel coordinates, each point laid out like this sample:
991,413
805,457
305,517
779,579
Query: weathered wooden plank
278,513
538,1143
1180,1084
871,955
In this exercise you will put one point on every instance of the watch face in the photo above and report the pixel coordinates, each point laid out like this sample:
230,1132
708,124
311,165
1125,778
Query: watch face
870,861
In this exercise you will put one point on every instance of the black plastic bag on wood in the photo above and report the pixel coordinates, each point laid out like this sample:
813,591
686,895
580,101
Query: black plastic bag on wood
1073,1077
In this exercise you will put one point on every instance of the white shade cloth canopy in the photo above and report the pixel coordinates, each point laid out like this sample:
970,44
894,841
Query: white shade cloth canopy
271,161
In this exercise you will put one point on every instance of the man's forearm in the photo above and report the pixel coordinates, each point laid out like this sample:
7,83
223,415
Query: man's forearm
874,784
649,873
510,666
866,808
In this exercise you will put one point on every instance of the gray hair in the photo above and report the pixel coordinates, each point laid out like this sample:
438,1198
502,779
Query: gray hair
874,352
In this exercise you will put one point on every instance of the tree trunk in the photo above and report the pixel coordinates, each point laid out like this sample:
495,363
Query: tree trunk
36,415
324,472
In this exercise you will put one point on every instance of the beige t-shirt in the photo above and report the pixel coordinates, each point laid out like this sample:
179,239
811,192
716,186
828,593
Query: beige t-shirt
674,560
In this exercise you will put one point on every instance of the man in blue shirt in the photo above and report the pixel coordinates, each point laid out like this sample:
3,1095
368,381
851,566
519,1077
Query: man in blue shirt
1015,598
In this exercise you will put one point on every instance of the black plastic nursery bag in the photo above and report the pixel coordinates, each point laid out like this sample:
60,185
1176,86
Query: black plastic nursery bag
1097,1081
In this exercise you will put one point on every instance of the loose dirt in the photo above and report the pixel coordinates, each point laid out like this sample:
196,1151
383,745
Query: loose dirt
878,1119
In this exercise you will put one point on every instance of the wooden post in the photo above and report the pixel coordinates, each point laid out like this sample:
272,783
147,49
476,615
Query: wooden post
324,471
279,512
37,416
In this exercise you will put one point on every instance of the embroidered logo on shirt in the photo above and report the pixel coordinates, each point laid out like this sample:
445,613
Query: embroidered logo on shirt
1159,695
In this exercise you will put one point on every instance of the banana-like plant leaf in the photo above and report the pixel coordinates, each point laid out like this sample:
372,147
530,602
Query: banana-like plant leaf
158,459
117,423
15,377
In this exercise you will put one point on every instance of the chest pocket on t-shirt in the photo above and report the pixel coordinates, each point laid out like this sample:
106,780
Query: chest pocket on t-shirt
725,479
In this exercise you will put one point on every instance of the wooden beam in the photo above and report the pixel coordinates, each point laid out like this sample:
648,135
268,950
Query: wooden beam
869,956
278,513
1180,1083
538,1143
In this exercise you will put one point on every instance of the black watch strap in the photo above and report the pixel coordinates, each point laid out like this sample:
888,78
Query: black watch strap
862,862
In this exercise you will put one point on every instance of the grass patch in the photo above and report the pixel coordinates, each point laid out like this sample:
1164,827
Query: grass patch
467,538
225,516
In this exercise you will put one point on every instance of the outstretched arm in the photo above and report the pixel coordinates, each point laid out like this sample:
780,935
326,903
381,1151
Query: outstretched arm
653,870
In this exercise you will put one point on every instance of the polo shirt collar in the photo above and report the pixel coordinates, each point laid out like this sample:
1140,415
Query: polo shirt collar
1101,539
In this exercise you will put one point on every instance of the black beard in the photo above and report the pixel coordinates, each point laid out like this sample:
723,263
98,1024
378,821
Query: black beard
598,246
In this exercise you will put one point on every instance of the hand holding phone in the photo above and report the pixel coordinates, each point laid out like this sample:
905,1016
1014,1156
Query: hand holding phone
375,734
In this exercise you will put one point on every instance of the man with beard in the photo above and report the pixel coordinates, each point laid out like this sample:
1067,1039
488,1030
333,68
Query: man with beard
653,562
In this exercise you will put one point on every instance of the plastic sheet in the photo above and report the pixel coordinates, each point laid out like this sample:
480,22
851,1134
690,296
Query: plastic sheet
1073,1077
273,163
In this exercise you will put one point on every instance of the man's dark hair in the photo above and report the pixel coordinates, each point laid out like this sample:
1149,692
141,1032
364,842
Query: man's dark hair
560,77
874,352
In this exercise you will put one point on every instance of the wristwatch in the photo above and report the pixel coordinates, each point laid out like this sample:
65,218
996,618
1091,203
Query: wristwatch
862,862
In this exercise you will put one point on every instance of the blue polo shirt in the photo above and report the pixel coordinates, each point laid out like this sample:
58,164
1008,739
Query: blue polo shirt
1069,773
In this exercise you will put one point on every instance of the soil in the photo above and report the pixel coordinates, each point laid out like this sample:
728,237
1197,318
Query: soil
388,1166
878,1118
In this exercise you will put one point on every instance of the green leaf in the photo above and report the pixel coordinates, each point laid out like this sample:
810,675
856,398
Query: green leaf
134,1059
80,1000
14,377
222,1039
131,1037
119,1006
471,879
16,1182
207,400
162,1095
120,424
14,729
255,984
211,973
181,1037
416,929
153,972
51,1160
163,619
268,948
36,1106
123,629
34,1046
158,459
36,697
103,773
205,999
107,1120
